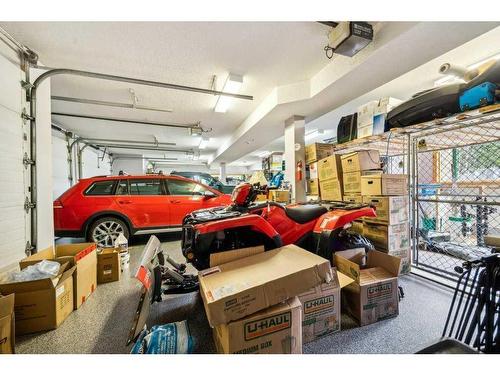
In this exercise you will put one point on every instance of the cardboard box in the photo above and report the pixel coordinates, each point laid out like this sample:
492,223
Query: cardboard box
385,105
360,161
233,290
108,265
7,325
330,190
384,184
83,255
317,151
261,198
275,330
405,256
365,113
352,181
353,198
357,226
312,187
374,294
390,210
280,196
313,170
42,304
330,167
387,237
321,308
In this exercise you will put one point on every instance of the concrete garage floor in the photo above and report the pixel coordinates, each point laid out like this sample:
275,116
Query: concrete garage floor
102,324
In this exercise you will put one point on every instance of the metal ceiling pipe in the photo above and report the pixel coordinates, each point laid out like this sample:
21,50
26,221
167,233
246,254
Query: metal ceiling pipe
146,148
32,117
116,119
109,104
136,81
127,141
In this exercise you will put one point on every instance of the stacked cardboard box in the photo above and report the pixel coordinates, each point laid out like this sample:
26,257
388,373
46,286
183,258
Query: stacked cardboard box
389,231
330,178
372,115
7,326
250,297
354,166
314,153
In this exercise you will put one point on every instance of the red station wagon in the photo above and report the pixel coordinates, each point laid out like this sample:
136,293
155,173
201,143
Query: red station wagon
100,208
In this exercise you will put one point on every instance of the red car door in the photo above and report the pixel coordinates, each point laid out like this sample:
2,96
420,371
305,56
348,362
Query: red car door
187,196
144,202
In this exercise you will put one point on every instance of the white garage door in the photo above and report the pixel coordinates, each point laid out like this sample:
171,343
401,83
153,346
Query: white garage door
14,177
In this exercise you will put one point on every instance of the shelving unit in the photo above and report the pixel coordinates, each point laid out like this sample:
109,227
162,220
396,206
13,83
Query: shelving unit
453,169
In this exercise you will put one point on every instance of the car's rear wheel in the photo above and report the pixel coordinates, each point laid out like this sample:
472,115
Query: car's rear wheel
106,230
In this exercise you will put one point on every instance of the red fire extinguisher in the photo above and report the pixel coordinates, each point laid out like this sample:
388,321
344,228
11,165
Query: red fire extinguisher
298,173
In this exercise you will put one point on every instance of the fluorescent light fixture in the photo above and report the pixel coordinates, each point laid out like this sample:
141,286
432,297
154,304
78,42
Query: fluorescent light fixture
232,86
203,143
313,134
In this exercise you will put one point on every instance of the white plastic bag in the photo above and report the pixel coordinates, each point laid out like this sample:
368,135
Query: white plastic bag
41,270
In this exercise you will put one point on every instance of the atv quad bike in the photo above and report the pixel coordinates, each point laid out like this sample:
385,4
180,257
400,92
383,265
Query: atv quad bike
243,224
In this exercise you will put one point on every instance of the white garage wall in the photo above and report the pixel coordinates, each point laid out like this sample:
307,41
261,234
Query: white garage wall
166,169
60,168
93,164
129,166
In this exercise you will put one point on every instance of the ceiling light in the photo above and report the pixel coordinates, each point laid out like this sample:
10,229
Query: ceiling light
232,86
203,143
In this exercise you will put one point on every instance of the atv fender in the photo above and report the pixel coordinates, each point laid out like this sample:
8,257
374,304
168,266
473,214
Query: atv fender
338,218
255,222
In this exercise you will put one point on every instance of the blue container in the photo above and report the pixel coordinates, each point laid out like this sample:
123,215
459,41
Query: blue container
478,96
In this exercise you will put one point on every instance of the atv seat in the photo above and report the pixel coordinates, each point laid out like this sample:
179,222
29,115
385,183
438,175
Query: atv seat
304,212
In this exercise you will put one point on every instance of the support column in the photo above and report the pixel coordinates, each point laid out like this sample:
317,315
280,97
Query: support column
294,153
222,173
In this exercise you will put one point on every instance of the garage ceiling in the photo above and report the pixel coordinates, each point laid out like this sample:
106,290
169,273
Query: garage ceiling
186,53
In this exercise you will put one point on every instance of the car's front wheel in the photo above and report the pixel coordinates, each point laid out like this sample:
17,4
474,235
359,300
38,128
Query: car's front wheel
106,230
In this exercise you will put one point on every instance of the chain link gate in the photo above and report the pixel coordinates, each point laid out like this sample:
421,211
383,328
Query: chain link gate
455,191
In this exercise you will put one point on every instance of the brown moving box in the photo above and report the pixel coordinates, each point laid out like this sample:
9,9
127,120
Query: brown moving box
387,237
374,294
330,190
281,196
360,161
7,328
321,308
357,226
353,198
108,265
384,184
317,151
330,167
42,304
233,290
275,330
312,187
313,171
390,210
83,255
261,198
405,256
352,181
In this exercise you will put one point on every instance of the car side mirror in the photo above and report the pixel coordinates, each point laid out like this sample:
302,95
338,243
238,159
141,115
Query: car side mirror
208,194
